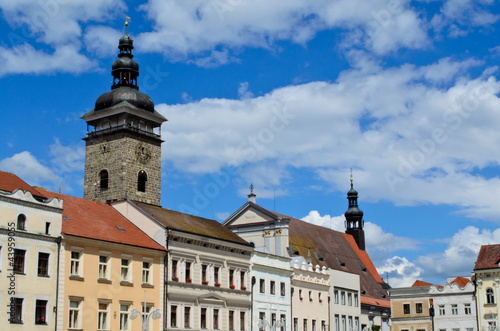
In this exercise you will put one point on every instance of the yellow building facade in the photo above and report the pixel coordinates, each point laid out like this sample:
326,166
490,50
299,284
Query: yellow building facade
410,308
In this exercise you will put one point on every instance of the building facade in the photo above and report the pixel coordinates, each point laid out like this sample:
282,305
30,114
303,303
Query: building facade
30,230
411,308
345,303
208,283
486,276
271,292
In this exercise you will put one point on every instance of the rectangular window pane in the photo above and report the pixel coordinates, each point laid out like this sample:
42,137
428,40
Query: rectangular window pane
203,318
231,320
19,261
43,264
124,317
40,312
74,316
242,320
173,316
187,317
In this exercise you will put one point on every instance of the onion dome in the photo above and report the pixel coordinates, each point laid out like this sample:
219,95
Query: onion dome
125,72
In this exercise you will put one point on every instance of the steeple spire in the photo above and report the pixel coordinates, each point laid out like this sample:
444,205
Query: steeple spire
125,70
251,196
354,218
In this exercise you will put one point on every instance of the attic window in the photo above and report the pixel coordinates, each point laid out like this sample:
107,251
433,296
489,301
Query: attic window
363,291
319,257
293,250
363,268
342,263
120,228
381,294
67,219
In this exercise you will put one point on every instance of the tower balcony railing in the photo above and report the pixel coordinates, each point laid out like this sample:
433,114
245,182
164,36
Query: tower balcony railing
120,128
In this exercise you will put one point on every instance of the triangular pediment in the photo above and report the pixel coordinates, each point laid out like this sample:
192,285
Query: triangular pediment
211,297
251,213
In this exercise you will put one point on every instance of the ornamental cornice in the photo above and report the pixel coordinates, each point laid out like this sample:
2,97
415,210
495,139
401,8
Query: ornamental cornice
28,235
26,199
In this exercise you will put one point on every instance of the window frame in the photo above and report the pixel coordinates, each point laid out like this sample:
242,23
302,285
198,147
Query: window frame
47,266
19,261
103,316
74,315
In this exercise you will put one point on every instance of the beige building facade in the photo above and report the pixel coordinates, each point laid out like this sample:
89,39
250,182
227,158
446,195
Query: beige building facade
410,308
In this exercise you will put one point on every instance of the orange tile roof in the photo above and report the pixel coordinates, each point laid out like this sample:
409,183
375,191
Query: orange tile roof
461,281
420,283
488,257
100,221
10,182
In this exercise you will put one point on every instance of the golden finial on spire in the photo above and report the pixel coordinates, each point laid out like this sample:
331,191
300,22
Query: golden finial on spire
351,174
126,22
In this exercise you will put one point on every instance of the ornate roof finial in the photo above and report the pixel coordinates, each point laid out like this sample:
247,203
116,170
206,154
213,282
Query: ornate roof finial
251,196
351,177
126,22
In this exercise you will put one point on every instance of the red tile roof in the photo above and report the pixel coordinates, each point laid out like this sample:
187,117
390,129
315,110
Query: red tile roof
489,256
98,220
10,182
461,281
190,223
421,283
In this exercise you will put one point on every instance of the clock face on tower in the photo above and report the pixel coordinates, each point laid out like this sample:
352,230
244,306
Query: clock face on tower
143,153
104,151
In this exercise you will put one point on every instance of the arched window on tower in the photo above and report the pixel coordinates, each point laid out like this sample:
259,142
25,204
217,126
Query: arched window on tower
490,297
103,179
141,181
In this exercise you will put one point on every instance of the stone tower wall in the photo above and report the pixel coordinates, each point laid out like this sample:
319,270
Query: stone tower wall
117,153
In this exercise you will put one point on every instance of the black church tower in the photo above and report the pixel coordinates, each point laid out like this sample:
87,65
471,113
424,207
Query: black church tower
354,219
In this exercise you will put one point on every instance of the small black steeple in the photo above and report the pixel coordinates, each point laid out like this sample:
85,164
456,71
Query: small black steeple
125,70
354,218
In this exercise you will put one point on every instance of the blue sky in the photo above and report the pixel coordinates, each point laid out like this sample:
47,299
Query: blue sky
287,95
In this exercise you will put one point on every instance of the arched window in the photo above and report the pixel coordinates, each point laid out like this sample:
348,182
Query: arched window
141,181
21,222
103,179
490,297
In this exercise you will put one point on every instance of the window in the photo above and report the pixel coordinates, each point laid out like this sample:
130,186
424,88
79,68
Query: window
242,320
454,309
124,317
125,270
342,298
231,278
216,319
418,308
262,317
313,327
188,272
242,280
282,320
204,274
323,326
173,316
406,308
103,266
320,297
103,180
74,315
146,266
75,263
17,318
337,323
187,317
300,295
467,309
203,318
102,316
356,300
141,181
19,261
174,270
310,296
47,228
21,222
350,322
273,319
283,289
349,299
43,264
41,312
490,298
272,287
231,320
295,324
336,296
216,276
442,312
305,325
356,323
262,286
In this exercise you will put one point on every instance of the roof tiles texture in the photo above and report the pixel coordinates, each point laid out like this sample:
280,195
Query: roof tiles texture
420,283
460,281
488,257
100,221
10,182
339,251
190,223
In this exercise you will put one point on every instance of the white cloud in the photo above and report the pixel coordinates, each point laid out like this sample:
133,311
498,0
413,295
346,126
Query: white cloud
194,27
401,272
25,59
460,255
243,91
67,159
327,221
409,132
27,167
468,13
